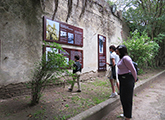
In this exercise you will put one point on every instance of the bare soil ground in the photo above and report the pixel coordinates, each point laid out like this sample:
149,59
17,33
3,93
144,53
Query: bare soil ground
58,104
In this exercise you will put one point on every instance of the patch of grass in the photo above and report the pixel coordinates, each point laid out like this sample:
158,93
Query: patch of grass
100,83
90,103
147,96
98,100
64,117
119,116
27,97
16,98
39,114
75,98
66,105
60,99
8,114
75,111
88,88
140,72
84,85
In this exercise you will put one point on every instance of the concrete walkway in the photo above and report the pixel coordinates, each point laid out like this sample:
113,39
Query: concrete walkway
101,110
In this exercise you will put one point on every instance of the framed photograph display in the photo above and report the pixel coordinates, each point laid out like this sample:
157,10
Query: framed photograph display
48,50
101,53
55,31
69,53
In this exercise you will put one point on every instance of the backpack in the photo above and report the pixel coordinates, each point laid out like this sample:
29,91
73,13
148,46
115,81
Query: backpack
136,66
77,67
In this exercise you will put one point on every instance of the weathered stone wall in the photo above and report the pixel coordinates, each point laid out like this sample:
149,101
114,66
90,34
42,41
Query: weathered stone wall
21,34
21,39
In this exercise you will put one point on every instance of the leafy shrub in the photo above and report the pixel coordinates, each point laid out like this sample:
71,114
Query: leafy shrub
49,69
141,49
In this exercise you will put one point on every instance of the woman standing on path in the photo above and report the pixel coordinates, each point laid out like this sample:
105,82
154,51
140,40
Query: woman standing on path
127,77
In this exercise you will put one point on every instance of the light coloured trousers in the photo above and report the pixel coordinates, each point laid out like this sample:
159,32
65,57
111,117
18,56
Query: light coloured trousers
76,76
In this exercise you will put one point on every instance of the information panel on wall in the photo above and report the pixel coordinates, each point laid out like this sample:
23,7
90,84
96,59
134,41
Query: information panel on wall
101,53
68,53
55,31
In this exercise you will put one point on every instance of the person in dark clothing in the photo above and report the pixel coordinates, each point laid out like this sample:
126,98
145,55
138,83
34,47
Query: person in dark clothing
76,71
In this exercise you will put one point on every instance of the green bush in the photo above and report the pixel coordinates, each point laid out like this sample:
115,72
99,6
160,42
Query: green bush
47,71
141,49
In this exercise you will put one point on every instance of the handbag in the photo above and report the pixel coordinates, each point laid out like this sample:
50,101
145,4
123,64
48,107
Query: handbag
108,73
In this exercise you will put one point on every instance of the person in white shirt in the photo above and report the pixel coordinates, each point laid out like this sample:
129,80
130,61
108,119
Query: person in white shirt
114,58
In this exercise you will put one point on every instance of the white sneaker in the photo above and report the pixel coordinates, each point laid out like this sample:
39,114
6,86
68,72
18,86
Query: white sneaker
113,95
122,115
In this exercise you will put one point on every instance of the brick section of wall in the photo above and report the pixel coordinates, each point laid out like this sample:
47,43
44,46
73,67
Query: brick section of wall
13,90
19,89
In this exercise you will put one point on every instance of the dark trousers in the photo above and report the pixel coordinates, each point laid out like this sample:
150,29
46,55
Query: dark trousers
126,93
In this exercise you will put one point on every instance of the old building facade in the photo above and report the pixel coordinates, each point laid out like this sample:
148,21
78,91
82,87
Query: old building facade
22,34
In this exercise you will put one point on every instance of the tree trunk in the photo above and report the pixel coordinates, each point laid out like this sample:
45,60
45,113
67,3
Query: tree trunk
36,93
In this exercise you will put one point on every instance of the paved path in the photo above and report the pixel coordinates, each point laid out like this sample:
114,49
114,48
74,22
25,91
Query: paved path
149,104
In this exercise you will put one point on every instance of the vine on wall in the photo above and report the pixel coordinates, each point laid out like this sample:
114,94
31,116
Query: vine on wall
84,4
69,9
102,6
70,4
55,10
77,3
